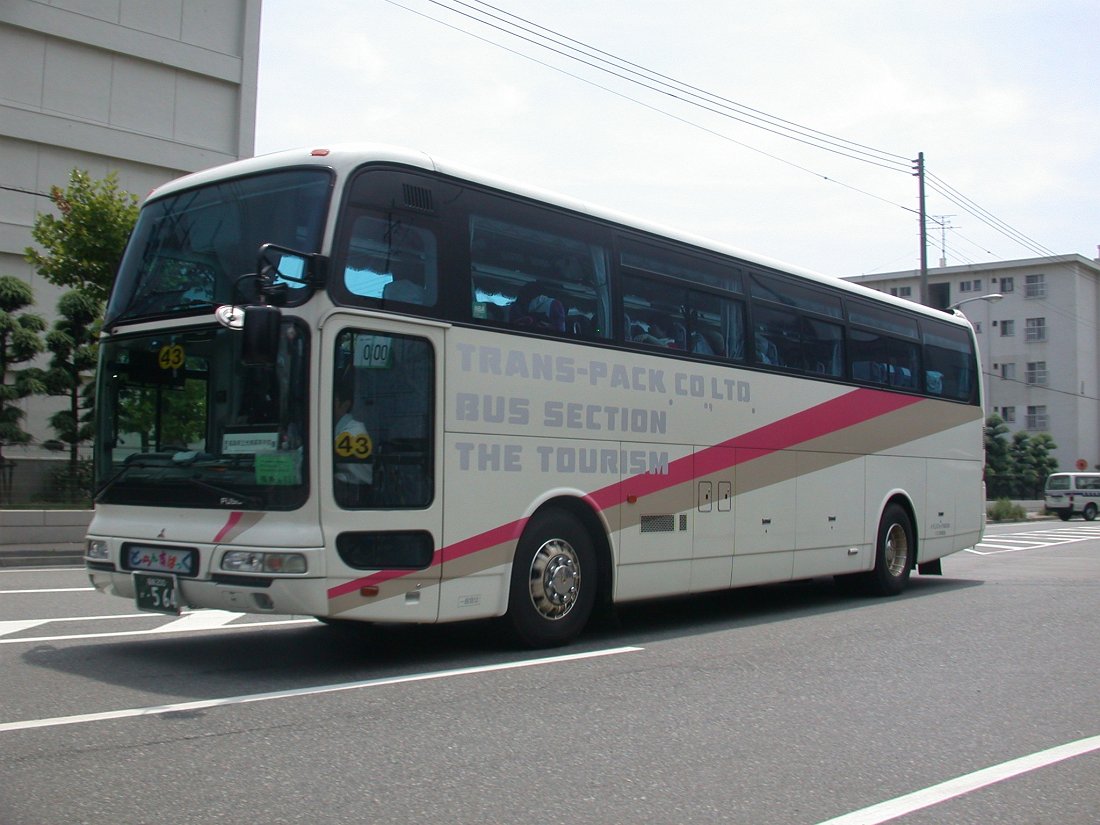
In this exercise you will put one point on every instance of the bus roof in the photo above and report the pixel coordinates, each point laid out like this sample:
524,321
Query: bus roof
344,158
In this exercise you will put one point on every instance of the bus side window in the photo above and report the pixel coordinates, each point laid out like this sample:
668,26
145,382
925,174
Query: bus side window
389,258
535,308
778,337
949,359
538,280
824,346
766,350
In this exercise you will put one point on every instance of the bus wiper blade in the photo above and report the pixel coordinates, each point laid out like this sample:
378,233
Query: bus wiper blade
117,477
149,300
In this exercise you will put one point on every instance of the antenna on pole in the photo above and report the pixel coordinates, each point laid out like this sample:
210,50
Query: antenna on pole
944,222
918,172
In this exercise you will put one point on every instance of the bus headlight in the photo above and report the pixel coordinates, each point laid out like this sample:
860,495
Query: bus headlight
248,561
97,550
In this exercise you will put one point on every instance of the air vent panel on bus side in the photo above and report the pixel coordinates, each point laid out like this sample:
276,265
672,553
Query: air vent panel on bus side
418,198
658,524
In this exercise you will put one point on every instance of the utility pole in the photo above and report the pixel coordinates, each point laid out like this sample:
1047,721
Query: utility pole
918,167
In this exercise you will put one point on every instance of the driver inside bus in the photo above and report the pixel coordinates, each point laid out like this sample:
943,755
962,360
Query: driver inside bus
353,468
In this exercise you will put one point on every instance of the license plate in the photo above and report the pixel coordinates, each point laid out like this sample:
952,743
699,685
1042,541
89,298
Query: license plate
156,593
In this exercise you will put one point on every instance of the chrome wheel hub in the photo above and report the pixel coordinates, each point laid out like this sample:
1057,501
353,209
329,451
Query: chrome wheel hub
897,550
555,579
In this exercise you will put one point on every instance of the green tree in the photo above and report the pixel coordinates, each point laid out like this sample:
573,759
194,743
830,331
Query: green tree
1023,465
998,463
80,249
20,341
83,243
72,343
1042,462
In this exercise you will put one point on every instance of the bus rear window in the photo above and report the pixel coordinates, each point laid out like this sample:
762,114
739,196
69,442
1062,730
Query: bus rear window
1058,483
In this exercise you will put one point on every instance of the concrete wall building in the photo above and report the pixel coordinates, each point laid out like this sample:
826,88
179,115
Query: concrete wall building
150,89
1039,344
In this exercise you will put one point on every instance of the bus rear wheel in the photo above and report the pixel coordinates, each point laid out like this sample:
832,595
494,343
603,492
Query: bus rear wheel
895,551
554,580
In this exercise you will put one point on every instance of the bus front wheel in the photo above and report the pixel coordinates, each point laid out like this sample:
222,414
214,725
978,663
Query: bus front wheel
554,580
1089,512
895,551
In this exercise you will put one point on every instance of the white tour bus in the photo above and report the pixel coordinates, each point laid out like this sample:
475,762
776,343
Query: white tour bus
360,384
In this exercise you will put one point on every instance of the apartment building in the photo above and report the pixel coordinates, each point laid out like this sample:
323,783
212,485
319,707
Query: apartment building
150,89
1039,343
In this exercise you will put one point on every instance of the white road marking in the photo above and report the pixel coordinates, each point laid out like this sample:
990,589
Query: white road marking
1033,540
199,620
19,625
902,805
203,704
149,632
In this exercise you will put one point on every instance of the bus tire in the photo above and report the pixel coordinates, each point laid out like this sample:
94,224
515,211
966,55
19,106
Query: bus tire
1064,515
554,580
895,551
1090,511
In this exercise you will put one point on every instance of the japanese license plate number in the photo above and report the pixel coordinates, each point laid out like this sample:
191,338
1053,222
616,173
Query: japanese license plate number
157,593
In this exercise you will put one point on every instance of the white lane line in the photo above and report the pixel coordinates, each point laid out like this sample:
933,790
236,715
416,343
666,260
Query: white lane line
902,805
50,590
125,713
150,632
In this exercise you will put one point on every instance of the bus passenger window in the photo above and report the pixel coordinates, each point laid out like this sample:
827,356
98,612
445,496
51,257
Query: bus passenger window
778,337
537,280
392,260
824,347
766,350
535,309
949,361
717,325
883,359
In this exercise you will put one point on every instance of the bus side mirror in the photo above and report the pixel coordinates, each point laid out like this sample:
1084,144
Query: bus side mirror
260,346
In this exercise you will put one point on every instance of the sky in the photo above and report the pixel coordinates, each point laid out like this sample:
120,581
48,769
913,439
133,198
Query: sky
1000,97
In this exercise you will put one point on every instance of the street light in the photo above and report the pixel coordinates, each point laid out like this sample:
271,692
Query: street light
992,298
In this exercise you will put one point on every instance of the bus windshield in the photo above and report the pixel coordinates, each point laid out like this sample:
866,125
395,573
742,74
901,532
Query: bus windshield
193,250
182,423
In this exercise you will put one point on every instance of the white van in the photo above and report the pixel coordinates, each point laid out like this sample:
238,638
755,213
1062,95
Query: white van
1070,493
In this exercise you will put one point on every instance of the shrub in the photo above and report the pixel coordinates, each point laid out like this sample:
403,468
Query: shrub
1004,510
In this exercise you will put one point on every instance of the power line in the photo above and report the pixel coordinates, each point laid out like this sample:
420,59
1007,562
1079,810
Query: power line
988,218
23,191
560,44
877,156
649,106
1042,387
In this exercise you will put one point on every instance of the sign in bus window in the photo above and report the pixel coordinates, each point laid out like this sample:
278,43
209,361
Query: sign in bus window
373,352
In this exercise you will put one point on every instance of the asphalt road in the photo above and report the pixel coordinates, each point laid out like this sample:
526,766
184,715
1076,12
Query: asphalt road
973,698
